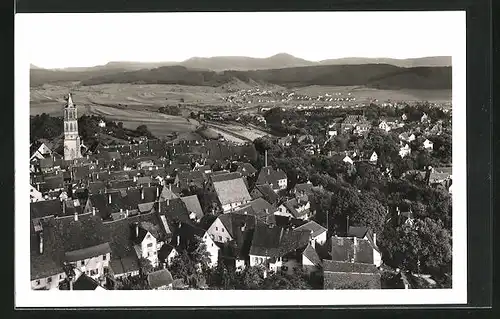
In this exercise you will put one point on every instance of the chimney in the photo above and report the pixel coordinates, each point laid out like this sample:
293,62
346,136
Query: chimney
265,158
40,237
170,187
375,239
93,211
178,240
135,178
157,192
136,230
97,176
267,211
168,201
64,207
142,193
281,233
109,198
347,224
76,216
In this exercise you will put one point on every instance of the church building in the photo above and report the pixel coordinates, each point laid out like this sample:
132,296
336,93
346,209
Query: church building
71,138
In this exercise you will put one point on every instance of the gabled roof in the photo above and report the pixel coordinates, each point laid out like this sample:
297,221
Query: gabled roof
242,237
160,278
45,208
269,175
303,187
193,205
48,263
316,228
266,192
84,282
276,241
292,206
246,169
231,191
311,254
261,207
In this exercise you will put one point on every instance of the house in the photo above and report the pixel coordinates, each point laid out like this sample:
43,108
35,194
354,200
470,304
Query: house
169,192
406,137
266,192
373,158
102,124
317,231
307,138
167,253
187,233
160,280
245,169
384,126
233,233
303,189
404,151
299,207
286,141
231,193
277,179
187,179
425,118
193,206
277,248
404,117
79,241
348,275
428,145
311,262
358,246
35,195
85,282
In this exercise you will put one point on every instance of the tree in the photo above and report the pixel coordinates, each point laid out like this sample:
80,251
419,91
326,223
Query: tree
145,266
252,278
424,246
284,281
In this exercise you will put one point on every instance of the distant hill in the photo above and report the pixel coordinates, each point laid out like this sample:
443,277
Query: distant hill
404,63
221,63
372,75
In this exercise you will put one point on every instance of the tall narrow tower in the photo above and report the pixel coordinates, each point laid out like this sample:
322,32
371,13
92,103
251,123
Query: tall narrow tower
71,138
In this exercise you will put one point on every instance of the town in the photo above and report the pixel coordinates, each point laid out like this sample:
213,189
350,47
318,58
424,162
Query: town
330,194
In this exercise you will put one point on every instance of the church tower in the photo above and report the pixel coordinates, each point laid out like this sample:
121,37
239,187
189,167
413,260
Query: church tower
71,138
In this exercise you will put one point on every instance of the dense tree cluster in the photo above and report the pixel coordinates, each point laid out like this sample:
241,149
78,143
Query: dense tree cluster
170,110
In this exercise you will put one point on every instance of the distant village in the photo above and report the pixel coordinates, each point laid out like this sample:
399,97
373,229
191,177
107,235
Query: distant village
134,215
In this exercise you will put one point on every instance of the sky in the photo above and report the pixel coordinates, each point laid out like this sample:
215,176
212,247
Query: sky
75,40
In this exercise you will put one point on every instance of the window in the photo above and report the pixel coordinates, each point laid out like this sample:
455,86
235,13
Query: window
154,253
222,229
103,257
150,245
82,263
220,238
216,228
38,282
49,280
212,244
94,272
61,276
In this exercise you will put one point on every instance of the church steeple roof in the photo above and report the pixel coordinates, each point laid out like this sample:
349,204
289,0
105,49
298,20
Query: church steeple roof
70,101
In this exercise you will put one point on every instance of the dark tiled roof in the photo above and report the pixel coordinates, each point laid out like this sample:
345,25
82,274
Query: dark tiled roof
45,208
350,277
120,184
277,241
266,192
224,177
95,187
246,169
292,205
311,254
48,263
81,172
169,192
269,175
303,187
339,266
160,279
347,249
84,282
261,207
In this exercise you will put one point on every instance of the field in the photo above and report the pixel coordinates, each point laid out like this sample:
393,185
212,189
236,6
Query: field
135,104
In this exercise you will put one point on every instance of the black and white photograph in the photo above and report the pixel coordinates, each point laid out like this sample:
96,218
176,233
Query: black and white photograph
208,159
